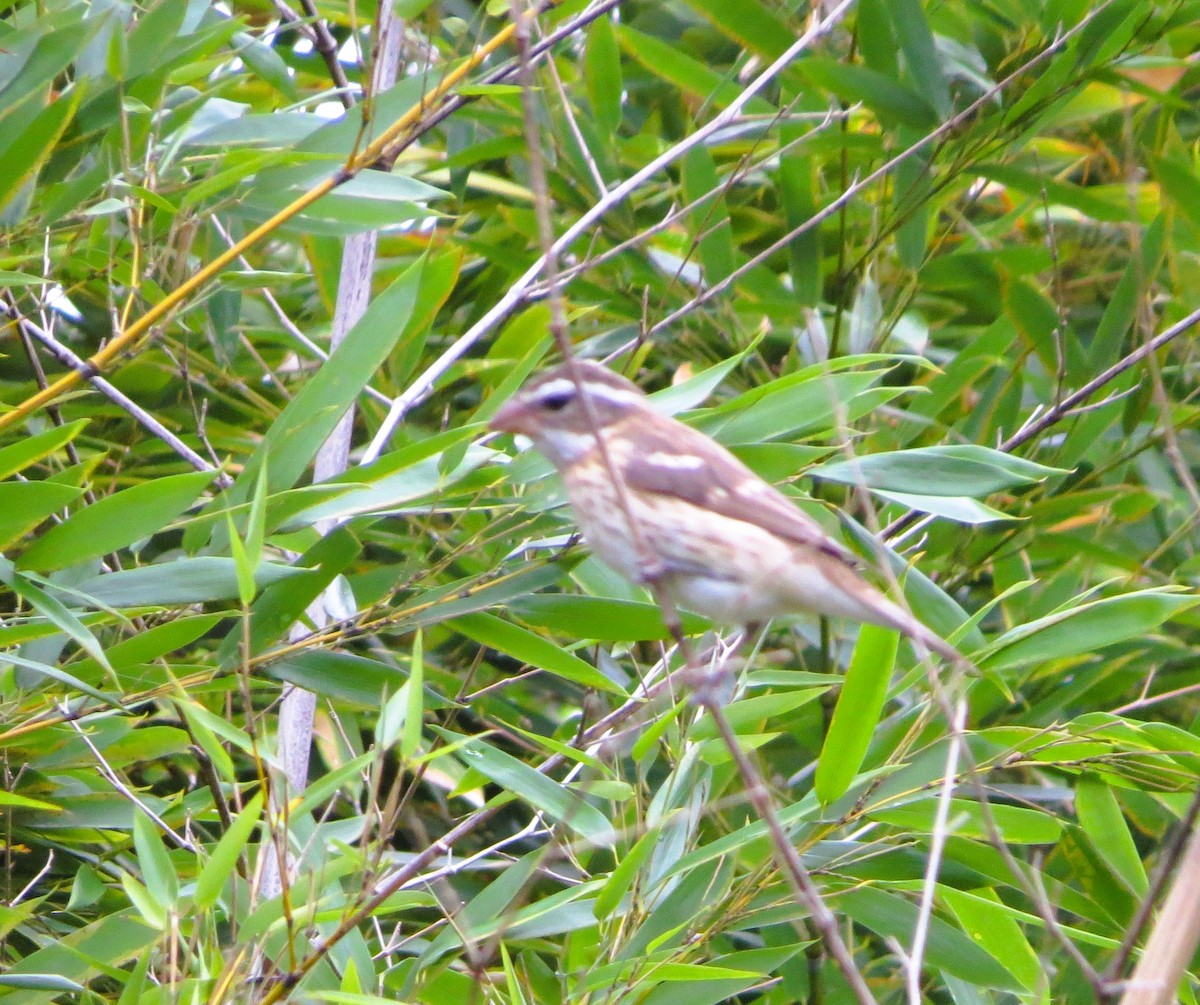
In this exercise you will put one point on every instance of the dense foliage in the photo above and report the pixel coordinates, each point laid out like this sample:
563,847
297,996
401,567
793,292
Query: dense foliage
928,266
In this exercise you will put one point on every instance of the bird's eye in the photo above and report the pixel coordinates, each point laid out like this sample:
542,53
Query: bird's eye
557,402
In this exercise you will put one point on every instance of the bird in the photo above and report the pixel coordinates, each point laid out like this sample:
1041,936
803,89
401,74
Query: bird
689,518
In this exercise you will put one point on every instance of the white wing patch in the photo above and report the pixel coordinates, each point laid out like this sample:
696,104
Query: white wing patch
675,462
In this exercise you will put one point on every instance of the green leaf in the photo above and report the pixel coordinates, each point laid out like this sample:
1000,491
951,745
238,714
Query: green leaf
114,938
397,479
621,878
53,610
1087,628
797,190
920,57
241,565
226,853
177,582
309,418
749,22
1044,188
956,470
155,33
960,509
370,200
339,675
801,403
994,928
688,74
746,714
41,982
23,505
54,673
711,227
457,599
542,793
692,392
115,521
602,73
267,63
153,911
28,451
159,640
247,554
283,603
947,948
274,130
889,99
1102,821
1016,824
527,647
857,712
483,90
1179,181
17,279
597,618
413,690
25,154
485,909
157,871
54,51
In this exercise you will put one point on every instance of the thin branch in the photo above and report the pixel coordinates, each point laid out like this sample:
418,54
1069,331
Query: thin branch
442,847
677,213
327,48
135,411
400,132
286,322
922,145
1054,414
115,781
937,846
793,866
516,293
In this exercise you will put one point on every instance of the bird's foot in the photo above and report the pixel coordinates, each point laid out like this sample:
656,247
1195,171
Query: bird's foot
713,677
709,686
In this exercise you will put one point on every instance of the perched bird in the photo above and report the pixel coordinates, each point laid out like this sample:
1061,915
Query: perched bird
718,539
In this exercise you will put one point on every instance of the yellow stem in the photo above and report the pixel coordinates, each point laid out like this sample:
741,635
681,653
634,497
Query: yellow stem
129,336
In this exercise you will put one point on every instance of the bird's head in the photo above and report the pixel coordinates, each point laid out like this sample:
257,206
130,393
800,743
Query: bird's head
549,410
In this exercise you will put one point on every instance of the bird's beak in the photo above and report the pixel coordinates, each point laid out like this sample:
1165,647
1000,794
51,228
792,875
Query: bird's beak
510,418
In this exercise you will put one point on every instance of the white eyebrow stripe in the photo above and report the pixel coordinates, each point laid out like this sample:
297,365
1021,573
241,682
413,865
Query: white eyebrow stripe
676,462
560,386
564,385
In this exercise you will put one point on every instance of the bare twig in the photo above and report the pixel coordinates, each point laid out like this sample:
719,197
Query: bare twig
937,845
1056,413
398,134
516,293
327,48
793,867
135,411
852,190
115,781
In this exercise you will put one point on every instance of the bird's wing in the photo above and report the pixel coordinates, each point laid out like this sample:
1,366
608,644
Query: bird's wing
667,457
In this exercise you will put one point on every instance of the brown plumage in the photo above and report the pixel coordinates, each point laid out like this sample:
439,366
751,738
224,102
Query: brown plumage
722,542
